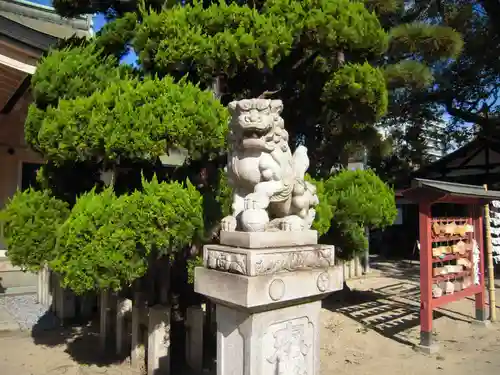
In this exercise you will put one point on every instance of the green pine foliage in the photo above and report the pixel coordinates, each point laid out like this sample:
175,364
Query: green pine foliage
224,195
30,222
107,240
336,65
220,38
324,212
69,73
359,91
130,119
408,73
351,201
430,42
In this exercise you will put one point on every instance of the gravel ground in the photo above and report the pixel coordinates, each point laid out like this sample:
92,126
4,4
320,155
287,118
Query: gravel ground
28,313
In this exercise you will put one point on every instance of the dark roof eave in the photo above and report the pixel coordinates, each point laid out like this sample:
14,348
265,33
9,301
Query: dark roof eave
26,35
45,13
432,190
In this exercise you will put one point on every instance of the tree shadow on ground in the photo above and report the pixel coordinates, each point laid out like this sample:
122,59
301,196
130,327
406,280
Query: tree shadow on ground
409,270
391,310
406,270
2,288
81,339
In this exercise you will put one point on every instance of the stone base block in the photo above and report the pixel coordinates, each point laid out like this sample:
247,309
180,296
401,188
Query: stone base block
252,292
266,261
255,240
283,341
481,323
428,349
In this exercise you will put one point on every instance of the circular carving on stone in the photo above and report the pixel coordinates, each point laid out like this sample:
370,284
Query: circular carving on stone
277,289
323,282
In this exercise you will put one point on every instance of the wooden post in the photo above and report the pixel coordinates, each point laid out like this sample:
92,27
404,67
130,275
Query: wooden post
194,338
40,288
54,288
87,303
136,330
103,319
123,306
367,253
352,268
159,340
49,286
478,234
424,218
43,290
489,259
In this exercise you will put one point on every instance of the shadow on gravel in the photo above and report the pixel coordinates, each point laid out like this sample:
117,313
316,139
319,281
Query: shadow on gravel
80,338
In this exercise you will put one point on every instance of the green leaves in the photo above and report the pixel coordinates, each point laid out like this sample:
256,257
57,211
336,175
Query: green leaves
107,240
357,91
408,73
130,119
430,42
73,72
30,222
349,202
360,196
319,56
219,38
228,38
343,25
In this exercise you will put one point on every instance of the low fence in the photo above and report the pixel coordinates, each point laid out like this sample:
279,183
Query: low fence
354,269
140,332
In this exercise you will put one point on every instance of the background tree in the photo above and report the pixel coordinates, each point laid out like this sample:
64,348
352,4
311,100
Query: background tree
465,89
468,88
332,62
331,128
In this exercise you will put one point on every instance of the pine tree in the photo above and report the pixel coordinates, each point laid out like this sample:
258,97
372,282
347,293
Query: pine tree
336,64
465,88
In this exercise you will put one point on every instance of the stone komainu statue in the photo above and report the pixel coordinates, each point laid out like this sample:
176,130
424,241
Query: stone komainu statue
269,190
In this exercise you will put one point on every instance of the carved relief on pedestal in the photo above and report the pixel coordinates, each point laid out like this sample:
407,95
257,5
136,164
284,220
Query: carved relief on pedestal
323,282
256,262
228,262
288,348
277,289
307,259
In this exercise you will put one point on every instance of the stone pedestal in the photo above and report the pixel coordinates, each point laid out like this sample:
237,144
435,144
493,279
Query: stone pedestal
284,341
268,305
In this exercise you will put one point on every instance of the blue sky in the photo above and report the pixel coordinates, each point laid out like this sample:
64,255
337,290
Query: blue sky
42,2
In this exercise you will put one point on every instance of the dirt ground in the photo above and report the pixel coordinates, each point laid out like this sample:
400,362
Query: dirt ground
370,333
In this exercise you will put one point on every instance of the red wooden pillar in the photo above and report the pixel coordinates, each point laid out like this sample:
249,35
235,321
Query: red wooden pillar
425,274
477,214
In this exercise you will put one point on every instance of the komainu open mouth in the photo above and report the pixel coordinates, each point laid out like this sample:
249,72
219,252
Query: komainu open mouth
254,133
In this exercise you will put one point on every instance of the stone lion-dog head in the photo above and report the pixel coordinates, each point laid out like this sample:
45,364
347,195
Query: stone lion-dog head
256,124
